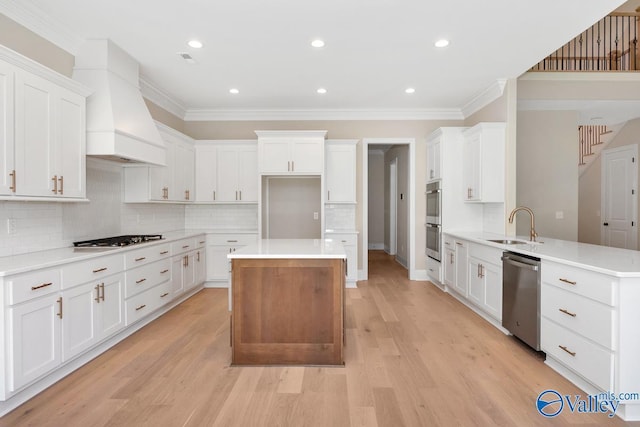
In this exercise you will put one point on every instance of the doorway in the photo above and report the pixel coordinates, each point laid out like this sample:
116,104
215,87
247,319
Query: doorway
619,198
393,207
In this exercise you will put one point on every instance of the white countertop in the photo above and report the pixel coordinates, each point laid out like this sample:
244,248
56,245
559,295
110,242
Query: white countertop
603,259
291,248
50,258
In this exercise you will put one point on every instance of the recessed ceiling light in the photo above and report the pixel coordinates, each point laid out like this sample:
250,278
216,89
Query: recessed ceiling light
409,90
321,90
317,43
234,91
196,44
442,43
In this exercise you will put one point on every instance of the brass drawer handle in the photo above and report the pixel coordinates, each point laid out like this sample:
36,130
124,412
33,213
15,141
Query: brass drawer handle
97,298
44,285
164,295
61,181
100,269
102,289
55,184
141,307
164,271
567,281
185,246
164,252
232,241
140,281
59,301
567,312
202,242
141,258
572,353
12,187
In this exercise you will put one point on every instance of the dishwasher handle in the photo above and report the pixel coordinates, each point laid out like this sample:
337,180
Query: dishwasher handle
519,264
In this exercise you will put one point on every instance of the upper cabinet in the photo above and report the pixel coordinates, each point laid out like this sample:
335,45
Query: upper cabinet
340,172
433,158
174,182
227,172
483,163
43,128
291,152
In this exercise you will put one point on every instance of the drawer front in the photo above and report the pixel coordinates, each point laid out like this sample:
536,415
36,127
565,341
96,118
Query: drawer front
201,241
591,361
590,284
144,256
182,246
141,305
225,239
24,287
142,278
434,270
448,241
78,273
345,239
163,293
485,253
584,316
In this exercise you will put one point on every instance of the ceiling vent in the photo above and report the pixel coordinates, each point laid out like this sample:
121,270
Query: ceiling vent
188,58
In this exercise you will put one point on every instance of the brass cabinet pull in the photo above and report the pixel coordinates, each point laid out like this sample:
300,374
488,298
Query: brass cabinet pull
451,258
567,312
232,241
100,269
164,295
12,187
240,194
567,281
59,301
328,194
164,252
55,184
481,271
198,256
44,285
288,165
186,194
141,307
236,194
61,180
102,290
572,353
97,298
185,246
140,281
141,258
214,194
202,242
164,271
458,243
293,165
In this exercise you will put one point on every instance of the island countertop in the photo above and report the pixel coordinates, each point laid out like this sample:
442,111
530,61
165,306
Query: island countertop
291,248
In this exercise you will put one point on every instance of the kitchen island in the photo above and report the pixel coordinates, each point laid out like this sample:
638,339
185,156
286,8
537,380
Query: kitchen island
287,302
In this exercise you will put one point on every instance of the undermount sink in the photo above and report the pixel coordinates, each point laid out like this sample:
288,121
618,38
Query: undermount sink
507,241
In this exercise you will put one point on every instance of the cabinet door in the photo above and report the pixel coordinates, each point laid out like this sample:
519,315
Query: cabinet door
201,266
177,283
6,128
433,160
111,309
34,340
341,173
449,267
352,263
248,174
217,263
189,270
307,157
493,290
472,168
476,281
227,174
460,260
161,177
275,156
79,330
71,144
183,173
34,142
206,180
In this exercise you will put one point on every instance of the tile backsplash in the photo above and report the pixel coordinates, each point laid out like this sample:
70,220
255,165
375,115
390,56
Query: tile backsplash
340,217
222,217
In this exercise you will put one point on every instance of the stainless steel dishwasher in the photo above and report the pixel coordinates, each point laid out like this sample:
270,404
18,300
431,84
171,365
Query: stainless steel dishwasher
521,297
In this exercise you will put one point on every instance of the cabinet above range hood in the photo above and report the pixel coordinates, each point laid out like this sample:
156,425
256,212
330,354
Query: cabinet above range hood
119,125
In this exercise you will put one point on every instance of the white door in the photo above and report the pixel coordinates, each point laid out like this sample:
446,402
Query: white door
393,207
619,200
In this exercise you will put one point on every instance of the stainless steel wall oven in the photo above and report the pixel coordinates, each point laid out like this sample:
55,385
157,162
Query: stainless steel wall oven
433,223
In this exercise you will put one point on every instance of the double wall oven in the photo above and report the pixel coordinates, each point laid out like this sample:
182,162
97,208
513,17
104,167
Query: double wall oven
433,223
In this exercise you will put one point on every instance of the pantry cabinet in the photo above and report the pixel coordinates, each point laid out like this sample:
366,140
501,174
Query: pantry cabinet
340,173
483,163
433,158
291,152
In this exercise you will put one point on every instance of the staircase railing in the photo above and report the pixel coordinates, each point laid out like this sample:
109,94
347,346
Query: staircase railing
589,137
610,44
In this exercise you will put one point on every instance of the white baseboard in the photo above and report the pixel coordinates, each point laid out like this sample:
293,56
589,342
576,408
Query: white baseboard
216,284
362,276
418,275
376,246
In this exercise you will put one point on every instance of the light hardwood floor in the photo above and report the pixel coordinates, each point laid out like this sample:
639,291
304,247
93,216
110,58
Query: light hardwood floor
414,357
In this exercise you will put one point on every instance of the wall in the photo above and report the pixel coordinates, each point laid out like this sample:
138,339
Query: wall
547,172
376,199
589,219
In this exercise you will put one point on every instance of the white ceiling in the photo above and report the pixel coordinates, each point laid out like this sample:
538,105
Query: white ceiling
374,49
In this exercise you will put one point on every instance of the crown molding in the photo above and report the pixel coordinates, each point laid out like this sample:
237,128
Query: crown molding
484,98
34,19
156,95
311,114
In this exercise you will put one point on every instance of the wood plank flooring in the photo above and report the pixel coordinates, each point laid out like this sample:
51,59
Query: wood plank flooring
414,356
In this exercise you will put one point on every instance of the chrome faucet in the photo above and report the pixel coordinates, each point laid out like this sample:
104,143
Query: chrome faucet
532,232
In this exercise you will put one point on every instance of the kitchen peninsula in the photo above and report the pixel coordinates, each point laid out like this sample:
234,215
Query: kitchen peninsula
287,302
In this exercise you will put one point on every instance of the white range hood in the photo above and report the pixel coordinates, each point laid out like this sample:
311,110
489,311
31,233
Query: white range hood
119,125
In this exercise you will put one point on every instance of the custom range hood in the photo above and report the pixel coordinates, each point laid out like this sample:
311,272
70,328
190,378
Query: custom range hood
119,126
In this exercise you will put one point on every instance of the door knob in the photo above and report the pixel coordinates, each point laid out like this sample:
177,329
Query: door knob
606,224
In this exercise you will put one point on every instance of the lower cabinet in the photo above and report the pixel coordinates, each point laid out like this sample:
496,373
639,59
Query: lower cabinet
461,283
350,242
485,286
219,245
146,302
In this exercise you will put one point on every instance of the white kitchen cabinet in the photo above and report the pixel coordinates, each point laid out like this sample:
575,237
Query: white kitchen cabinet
7,75
174,182
433,159
350,243
237,175
449,266
206,172
183,264
483,163
461,284
291,152
485,279
340,174
219,245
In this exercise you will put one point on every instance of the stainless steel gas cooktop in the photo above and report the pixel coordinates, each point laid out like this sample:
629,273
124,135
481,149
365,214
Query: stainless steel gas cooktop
117,241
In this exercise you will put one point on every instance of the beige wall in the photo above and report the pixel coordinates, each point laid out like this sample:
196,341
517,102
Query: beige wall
547,172
589,219
165,117
376,200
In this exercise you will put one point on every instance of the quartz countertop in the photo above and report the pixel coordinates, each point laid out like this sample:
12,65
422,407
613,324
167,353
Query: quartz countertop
291,248
50,258
603,259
